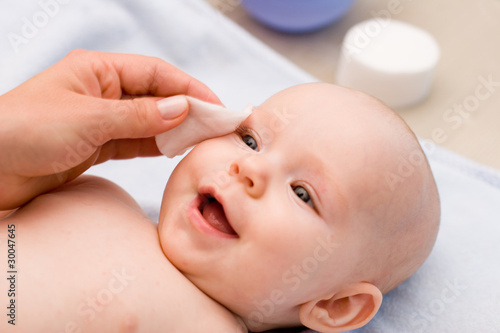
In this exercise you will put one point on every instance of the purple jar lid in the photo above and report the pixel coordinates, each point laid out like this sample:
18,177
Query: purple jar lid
297,16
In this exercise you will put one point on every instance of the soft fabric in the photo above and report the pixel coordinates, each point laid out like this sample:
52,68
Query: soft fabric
456,290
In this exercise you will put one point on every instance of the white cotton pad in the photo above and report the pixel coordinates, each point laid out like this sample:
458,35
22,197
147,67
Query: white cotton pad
389,59
204,121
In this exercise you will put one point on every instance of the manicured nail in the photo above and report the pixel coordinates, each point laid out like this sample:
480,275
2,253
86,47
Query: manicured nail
172,107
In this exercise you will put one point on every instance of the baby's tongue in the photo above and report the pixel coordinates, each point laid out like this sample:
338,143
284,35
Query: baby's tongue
214,214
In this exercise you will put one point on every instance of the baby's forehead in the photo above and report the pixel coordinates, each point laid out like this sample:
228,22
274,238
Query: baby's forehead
322,104
318,117
337,122
345,129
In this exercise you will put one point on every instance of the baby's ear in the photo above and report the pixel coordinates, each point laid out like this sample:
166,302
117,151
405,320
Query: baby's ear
352,307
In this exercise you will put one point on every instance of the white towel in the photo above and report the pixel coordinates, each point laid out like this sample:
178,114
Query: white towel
456,290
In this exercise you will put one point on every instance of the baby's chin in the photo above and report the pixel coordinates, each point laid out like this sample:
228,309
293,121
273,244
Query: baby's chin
163,230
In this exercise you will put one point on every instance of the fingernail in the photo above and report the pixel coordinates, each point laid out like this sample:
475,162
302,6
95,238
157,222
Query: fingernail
172,107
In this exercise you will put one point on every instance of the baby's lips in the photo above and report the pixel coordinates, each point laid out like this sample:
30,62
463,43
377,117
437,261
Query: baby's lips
204,121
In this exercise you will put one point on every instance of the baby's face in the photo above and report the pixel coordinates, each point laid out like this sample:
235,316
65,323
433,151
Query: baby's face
266,218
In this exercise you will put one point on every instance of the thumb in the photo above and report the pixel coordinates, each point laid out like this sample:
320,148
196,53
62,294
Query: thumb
147,116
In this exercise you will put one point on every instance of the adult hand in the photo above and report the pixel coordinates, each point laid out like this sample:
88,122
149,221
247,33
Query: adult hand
88,108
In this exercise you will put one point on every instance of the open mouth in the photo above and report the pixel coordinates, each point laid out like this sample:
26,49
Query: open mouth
214,214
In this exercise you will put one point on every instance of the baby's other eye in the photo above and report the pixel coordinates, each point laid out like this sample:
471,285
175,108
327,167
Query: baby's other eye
303,195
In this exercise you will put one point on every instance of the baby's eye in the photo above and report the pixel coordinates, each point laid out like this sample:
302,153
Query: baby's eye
244,134
250,141
303,195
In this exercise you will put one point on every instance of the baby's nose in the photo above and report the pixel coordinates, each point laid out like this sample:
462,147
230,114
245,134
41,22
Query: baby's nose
253,174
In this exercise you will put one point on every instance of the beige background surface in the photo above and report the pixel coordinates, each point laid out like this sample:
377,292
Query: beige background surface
468,32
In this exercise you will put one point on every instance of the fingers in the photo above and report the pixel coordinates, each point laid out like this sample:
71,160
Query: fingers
139,75
114,76
100,120
127,148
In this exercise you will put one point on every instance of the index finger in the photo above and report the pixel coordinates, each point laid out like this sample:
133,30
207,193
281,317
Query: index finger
130,74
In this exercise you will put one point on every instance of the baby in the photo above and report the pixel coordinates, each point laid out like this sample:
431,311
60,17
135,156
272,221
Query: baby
317,205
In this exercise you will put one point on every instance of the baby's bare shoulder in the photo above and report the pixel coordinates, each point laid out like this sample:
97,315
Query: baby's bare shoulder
93,199
84,204
92,188
86,187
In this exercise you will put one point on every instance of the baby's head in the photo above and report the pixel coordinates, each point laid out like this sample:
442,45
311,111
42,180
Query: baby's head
317,205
